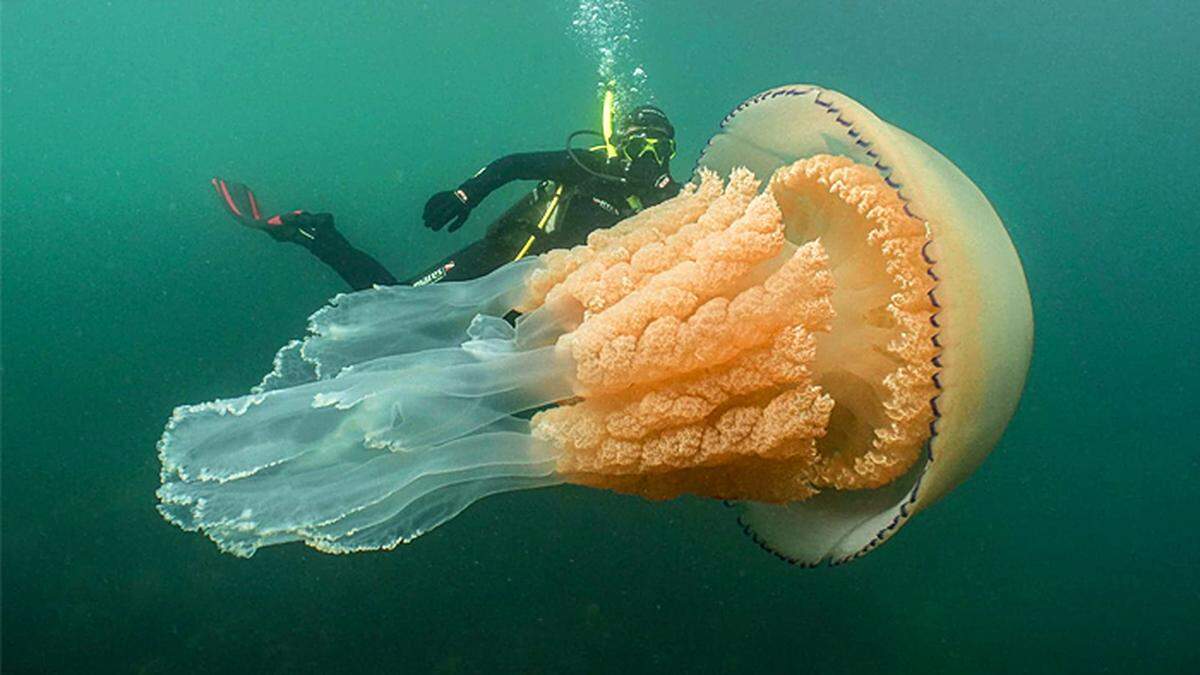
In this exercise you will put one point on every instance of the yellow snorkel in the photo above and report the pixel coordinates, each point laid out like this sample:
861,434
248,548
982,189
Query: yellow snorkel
610,150
607,134
606,124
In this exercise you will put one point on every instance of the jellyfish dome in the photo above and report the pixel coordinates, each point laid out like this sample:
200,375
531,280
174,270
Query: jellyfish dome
828,328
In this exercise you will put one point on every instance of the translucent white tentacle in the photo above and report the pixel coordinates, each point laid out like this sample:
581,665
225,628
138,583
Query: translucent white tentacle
392,417
388,320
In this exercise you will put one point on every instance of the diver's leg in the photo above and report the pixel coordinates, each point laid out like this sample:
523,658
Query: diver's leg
474,261
313,231
316,232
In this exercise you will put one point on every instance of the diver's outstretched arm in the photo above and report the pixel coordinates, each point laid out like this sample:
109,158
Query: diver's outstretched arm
313,231
454,206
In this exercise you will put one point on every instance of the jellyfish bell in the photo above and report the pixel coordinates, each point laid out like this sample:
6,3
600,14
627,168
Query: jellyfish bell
803,337
983,319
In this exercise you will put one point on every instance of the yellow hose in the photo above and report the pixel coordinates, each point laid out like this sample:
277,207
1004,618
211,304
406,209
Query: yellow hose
541,223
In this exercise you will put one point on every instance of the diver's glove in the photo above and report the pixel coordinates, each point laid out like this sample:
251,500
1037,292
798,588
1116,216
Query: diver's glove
451,206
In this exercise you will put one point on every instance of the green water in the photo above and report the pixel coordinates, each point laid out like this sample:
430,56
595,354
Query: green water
126,292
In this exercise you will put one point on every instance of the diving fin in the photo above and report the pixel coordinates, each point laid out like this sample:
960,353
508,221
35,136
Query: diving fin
240,202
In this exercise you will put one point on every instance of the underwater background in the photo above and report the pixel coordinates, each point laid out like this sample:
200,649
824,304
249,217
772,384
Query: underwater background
126,291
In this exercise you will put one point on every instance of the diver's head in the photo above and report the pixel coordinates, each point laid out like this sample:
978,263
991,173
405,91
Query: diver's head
645,141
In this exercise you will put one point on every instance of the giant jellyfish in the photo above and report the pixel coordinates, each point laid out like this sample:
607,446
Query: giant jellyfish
828,329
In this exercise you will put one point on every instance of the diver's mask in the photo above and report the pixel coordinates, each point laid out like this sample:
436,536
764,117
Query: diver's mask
638,143
646,154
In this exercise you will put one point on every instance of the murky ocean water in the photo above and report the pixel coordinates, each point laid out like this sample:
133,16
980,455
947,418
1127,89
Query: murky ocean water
127,292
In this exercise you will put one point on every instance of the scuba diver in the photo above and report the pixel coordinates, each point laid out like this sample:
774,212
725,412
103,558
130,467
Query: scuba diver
579,190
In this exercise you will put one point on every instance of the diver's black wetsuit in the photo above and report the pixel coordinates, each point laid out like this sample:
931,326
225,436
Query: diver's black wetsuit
316,232
587,202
